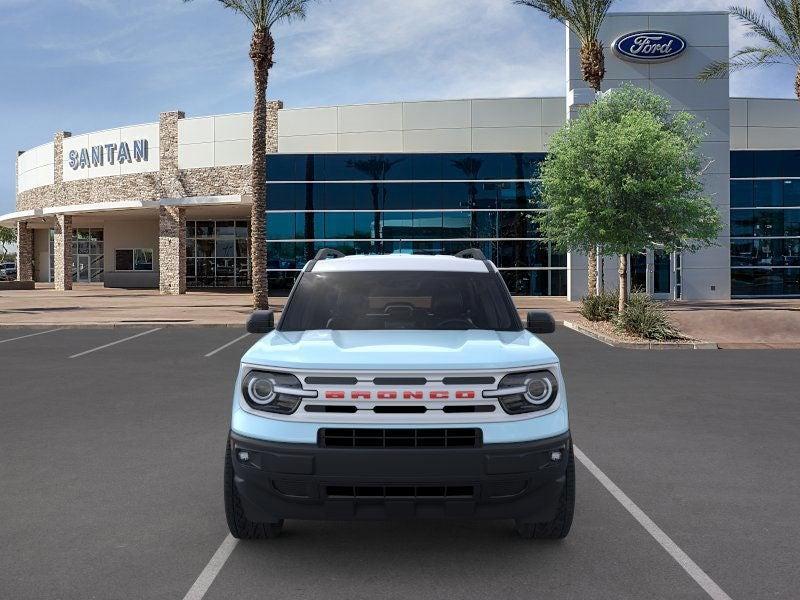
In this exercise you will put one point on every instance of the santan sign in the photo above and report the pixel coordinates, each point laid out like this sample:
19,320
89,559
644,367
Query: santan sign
649,46
97,156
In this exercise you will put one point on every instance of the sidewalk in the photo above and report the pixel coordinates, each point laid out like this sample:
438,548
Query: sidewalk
90,305
741,323
734,324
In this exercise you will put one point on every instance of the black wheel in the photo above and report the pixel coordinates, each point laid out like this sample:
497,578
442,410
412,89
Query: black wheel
558,528
238,523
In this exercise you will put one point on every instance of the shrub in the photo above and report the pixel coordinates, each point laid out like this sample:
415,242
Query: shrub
644,317
601,307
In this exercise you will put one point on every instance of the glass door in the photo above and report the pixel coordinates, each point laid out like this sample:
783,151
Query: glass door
638,272
662,271
650,272
83,269
87,255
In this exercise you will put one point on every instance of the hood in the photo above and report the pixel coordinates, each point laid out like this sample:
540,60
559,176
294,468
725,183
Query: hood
399,350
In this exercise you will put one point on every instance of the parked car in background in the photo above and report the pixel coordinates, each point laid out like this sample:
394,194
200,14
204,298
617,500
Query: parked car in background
8,271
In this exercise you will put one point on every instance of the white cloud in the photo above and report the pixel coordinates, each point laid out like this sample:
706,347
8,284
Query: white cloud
451,48
420,48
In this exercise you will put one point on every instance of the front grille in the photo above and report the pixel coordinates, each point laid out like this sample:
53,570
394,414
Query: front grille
436,492
400,438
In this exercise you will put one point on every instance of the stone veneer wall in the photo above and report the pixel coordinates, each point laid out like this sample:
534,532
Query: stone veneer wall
62,251
217,181
169,182
169,178
171,250
24,252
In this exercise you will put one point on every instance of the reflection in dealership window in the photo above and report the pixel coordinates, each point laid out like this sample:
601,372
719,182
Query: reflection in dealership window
410,203
133,259
218,253
765,223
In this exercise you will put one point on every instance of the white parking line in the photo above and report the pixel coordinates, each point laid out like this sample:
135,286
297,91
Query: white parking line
22,337
115,343
695,572
231,343
214,566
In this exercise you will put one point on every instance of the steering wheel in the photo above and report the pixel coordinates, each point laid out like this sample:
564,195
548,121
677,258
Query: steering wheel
467,322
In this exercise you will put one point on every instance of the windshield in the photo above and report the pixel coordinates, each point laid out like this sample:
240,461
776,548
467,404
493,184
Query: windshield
429,300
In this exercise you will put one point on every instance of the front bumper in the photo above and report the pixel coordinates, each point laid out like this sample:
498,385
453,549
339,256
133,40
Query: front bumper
304,481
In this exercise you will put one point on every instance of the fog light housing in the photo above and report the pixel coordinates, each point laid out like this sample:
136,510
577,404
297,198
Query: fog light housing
243,456
555,456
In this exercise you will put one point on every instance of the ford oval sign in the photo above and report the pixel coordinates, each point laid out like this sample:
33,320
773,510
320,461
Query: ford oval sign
649,46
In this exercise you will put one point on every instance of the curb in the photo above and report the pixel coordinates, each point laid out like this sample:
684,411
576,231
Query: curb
640,345
115,325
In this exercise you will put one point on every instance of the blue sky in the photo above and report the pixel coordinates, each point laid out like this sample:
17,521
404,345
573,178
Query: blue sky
84,65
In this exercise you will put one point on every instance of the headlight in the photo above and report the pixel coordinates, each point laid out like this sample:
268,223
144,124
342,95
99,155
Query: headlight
274,392
525,392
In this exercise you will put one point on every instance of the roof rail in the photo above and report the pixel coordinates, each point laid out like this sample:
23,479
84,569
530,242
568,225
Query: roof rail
471,253
328,253
322,255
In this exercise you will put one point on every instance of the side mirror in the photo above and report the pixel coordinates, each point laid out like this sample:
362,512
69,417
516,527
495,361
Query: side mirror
261,321
540,322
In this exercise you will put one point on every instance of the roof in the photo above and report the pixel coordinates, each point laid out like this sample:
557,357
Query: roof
400,262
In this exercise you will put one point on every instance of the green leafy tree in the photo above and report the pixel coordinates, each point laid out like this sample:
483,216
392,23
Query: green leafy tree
626,174
8,236
584,19
778,40
263,15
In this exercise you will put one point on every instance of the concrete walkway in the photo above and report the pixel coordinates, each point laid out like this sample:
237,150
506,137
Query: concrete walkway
94,305
736,324
741,323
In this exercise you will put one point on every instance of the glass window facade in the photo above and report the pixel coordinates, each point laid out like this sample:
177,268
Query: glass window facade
218,254
410,203
765,223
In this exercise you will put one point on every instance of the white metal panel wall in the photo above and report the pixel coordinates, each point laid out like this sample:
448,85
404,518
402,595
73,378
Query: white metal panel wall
765,124
706,275
215,141
483,125
35,167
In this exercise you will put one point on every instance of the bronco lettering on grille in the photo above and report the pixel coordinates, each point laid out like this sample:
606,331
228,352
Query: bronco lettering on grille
394,395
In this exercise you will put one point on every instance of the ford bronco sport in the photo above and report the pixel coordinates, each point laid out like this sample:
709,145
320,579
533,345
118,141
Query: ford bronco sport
399,386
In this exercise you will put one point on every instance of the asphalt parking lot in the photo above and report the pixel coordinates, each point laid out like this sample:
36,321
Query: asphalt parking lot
111,481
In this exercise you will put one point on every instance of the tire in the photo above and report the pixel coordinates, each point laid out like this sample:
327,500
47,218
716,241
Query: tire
238,523
559,527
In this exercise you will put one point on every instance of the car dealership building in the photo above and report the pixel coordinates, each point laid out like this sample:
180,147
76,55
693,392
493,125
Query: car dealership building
166,205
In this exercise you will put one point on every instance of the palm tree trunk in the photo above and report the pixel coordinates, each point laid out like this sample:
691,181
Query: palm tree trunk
797,84
623,282
261,52
376,214
593,70
593,67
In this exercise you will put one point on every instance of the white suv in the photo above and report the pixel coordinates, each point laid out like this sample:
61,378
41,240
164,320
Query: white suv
399,387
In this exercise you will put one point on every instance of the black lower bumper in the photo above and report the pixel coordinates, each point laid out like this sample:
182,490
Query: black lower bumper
303,481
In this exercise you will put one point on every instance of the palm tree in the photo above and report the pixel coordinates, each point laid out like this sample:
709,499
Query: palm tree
779,41
263,15
470,167
584,19
377,169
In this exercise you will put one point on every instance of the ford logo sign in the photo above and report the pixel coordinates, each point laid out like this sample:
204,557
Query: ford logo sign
649,46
